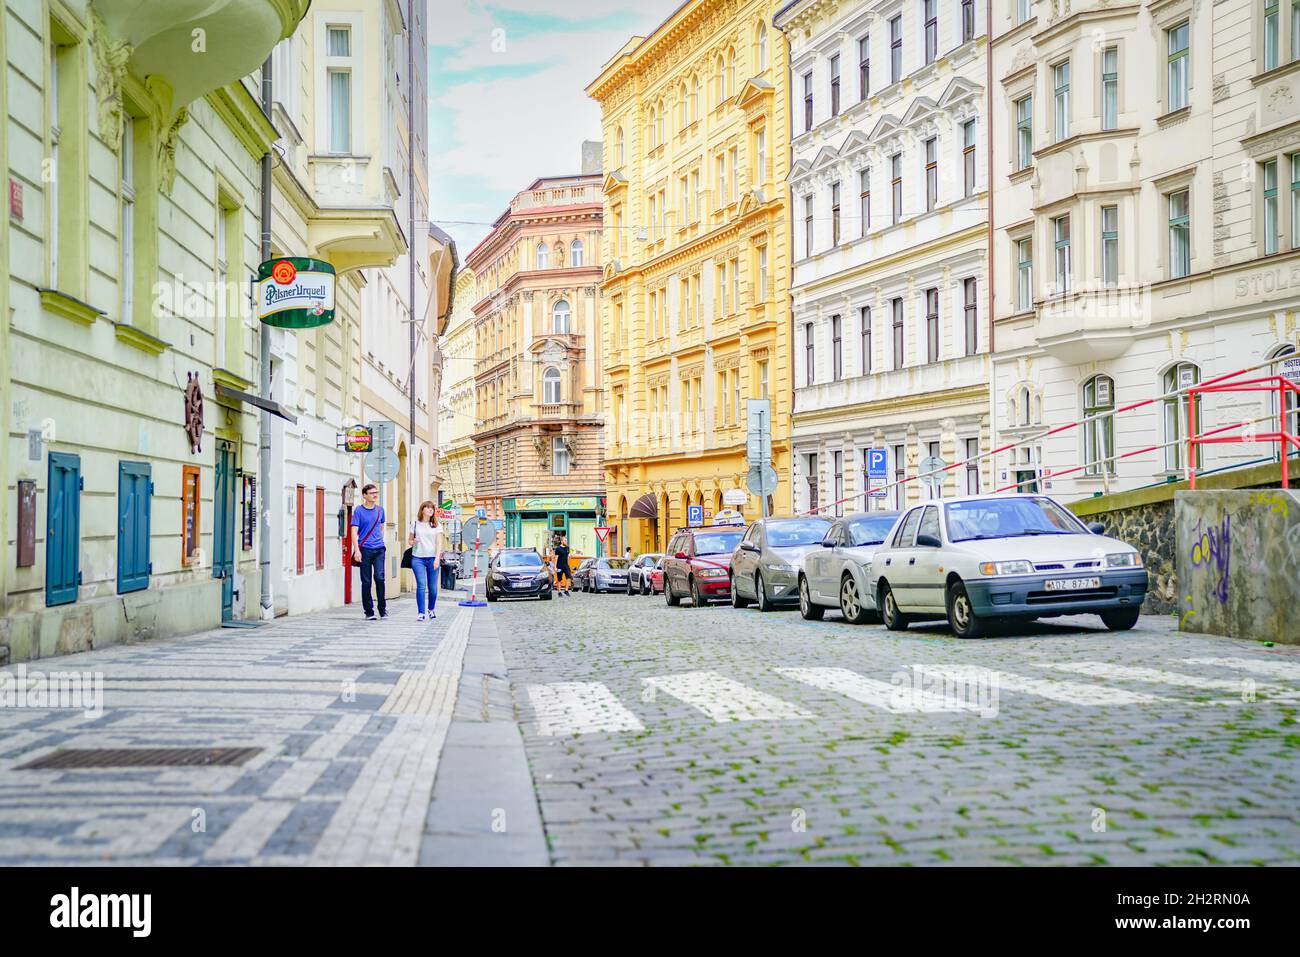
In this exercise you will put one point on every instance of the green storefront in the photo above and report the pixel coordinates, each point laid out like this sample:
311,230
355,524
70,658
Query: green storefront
531,522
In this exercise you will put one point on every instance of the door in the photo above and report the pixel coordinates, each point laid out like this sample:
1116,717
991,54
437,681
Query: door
223,526
346,538
900,560
745,560
927,581
134,513
63,529
818,563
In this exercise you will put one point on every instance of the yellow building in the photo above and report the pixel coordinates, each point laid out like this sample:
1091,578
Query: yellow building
695,294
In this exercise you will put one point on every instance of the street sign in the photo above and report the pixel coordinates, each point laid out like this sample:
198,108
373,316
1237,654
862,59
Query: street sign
877,463
761,484
694,515
295,292
876,489
734,496
384,431
602,532
480,513
932,463
758,434
381,465
1289,369
728,516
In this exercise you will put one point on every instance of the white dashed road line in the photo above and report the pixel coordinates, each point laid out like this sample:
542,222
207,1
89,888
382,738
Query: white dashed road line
1287,670
1100,669
898,699
723,699
579,707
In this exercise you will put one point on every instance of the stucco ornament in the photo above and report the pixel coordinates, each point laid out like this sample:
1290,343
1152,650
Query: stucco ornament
111,57
167,151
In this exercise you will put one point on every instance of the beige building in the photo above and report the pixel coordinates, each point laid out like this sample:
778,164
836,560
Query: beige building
538,436
458,400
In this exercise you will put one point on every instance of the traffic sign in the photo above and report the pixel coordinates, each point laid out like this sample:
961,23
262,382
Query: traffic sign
480,513
602,532
877,463
385,433
877,489
734,496
694,515
758,437
728,516
768,480
932,463
381,465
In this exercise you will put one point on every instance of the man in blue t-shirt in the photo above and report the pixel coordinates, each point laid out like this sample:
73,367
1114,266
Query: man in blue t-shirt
368,548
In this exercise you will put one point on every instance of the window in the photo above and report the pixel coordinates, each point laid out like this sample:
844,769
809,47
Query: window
931,172
1024,275
339,41
560,317
559,456
762,47
762,380
190,524
864,199
932,325
837,464
900,465
1295,29
1270,208
837,350
1061,231
930,12
720,273
695,98
720,180
1024,132
340,107
809,356
1180,232
575,251
808,225
835,214
897,306
1023,10
735,283
551,386
760,157
967,20
968,157
719,82
1061,98
864,321
695,195
1179,377
1295,200
320,528
734,155
1290,420
683,206
972,466
543,255
896,186
54,95
762,273
1179,59
126,280
1109,88
864,67
896,49
1098,434
807,101
735,394
835,85
1110,246
970,313
618,147
134,512
811,479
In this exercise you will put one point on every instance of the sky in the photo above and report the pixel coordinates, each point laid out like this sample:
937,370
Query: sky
506,100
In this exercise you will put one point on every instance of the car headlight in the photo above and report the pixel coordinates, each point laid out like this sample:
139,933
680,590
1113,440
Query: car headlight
1124,560
784,567
1019,567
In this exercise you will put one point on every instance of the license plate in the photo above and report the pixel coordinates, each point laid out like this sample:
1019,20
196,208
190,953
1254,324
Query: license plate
1071,584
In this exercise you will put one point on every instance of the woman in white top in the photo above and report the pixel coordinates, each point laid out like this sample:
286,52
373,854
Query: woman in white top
426,547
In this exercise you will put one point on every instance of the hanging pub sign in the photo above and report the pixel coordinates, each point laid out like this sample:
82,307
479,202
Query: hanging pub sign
358,438
295,292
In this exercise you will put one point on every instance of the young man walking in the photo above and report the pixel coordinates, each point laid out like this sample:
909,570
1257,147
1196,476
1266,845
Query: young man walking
368,549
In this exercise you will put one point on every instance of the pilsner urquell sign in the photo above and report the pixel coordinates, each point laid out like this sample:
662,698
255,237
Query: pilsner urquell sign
295,292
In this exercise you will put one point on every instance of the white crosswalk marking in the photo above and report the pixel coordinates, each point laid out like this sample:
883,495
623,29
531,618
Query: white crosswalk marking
879,694
723,699
579,707
1274,669
1100,669
1066,692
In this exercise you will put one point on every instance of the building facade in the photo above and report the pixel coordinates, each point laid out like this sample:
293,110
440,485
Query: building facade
458,401
695,294
1146,231
538,429
888,193
134,183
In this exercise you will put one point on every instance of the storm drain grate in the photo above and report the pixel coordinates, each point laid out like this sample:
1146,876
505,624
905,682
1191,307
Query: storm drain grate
140,758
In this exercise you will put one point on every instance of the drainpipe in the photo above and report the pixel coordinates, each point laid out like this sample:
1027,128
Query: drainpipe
410,206
264,379
988,152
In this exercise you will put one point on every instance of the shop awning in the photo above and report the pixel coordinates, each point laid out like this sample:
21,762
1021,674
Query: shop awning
275,408
644,507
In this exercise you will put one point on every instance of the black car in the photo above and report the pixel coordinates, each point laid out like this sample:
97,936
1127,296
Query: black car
518,573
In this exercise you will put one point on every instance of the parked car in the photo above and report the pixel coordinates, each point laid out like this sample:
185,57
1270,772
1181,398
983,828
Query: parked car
656,577
581,571
766,563
836,575
638,573
605,574
698,562
518,573
985,557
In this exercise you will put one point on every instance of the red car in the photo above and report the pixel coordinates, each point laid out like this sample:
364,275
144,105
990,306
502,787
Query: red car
698,564
656,578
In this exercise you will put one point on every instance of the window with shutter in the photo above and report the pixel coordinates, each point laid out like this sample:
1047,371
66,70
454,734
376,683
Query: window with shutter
134,510
63,529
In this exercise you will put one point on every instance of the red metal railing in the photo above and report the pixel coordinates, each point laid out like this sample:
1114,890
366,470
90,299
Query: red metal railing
1282,436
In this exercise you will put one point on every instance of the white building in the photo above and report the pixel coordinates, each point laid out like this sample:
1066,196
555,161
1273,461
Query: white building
888,196
1147,217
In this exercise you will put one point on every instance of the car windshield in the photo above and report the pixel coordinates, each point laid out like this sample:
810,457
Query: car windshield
871,530
613,563
796,531
521,560
717,543
1008,518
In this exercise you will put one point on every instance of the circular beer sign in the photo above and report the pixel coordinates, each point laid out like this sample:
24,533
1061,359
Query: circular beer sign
295,292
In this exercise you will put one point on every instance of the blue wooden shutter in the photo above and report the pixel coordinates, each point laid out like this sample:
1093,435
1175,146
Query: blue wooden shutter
134,504
63,529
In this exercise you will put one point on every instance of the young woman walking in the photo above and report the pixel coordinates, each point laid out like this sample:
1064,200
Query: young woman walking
426,548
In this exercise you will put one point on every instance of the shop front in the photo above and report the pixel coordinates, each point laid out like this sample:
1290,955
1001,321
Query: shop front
534,522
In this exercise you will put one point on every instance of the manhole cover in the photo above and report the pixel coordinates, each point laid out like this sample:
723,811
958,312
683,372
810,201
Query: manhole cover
140,758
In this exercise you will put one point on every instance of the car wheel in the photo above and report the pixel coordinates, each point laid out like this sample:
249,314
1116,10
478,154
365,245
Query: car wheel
810,611
697,596
760,593
546,596
673,600
645,587
1121,619
894,619
737,599
961,613
489,594
852,607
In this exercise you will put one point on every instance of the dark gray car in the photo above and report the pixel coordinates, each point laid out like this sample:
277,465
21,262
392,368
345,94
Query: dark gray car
765,565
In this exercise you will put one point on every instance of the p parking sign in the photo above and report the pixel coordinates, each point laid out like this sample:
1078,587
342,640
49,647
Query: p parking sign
694,515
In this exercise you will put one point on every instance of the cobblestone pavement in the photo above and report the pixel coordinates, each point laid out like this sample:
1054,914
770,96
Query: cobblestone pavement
663,735
348,718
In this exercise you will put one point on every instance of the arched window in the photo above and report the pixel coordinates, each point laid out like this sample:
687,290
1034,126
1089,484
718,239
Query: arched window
1024,406
575,253
551,385
618,148
1177,377
719,81
654,127
559,255
683,108
543,255
1291,419
1099,434
731,72
762,47
695,98
661,118
560,316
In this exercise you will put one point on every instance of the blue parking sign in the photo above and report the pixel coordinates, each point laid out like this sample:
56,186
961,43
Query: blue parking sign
877,465
694,515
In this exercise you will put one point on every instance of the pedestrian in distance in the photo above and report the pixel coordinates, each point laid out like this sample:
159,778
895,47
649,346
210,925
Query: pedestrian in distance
368,549
627,553
426,555
563,577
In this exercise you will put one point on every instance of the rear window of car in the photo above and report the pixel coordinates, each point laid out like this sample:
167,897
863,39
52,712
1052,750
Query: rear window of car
521,560
716,543
871,530
613,563
797,531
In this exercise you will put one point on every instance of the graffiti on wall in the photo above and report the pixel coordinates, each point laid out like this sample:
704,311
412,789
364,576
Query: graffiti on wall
1212,549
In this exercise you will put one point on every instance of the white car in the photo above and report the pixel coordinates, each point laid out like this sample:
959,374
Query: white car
995,557
836,575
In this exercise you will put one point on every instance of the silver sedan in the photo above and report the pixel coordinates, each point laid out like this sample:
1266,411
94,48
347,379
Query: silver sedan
837,575
765,565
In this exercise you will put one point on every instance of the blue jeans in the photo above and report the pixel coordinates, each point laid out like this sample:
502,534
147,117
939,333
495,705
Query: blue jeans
372,565
426,583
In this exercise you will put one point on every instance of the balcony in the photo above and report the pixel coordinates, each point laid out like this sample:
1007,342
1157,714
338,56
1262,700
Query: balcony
556,410
1093,324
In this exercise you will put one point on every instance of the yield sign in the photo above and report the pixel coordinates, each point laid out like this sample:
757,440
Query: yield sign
602,532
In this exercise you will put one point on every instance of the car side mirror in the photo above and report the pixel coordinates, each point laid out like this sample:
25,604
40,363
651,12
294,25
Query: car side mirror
748,547
827,543
928,541
680,555
1097,528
